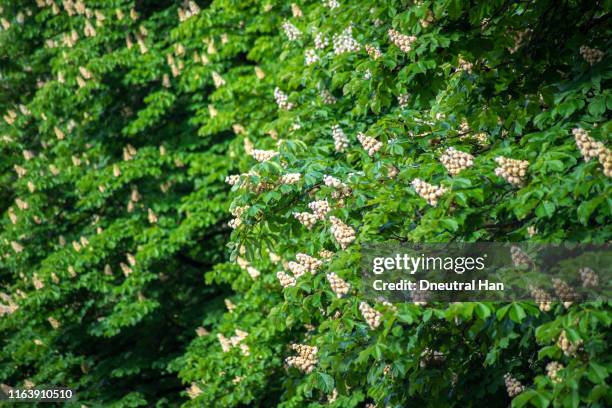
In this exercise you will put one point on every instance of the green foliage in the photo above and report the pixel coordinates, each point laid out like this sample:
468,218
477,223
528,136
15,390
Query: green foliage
119,153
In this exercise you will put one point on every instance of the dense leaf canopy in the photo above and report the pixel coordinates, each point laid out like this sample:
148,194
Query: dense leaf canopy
185,189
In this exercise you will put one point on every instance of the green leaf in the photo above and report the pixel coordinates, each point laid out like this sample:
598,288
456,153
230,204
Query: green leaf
517,313
587,208
325,382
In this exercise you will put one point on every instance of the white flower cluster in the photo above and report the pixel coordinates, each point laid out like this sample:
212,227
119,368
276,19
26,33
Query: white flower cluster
306,219
480,138
225,343
591,55
327,98
343,234
331,4
403,99
191,10
194,391
427,20
520,37
334,182
259,73
511,170
12,216
291,31
341,142
134,198
229,305
429,192
513,386
519,257
326,254
370,144
466,133
10,116
89,29
218,81
403,41
10,306
568,347
320,41
263,155
311,263
239,129
338,285
333,397
237,213
306,358
151,216
373,52
285,279
125,269
463,65
456,160
282,100
387,370
244,264
21,171
341,189
296,269
371,315
590,148
605,158
232,179
290,178
201,331
311,57
296,11
542,298
320,208
344,42
532,231
116,171
37,282
565,292
21,204
239,336
552,371
589,278
53,322
129,152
